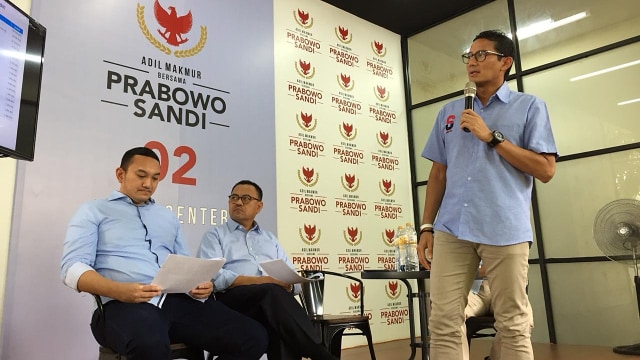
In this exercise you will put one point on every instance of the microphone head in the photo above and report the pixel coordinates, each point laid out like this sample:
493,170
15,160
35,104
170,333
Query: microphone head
470,89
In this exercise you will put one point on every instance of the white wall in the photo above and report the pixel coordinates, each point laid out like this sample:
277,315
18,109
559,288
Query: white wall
7,187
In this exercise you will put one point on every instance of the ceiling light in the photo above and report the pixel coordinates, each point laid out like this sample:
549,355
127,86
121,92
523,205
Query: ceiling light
546,25
629,101
604,71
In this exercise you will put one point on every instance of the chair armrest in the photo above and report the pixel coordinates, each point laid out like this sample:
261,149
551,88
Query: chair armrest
99,305
326,272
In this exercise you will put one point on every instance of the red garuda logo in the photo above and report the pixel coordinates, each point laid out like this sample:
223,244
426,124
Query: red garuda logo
304,69
392,289
378,48
388,235
347,131
303,18
352,236
345,82
343,35
311,236
387,187
306,176
173,29
354,291
306,121
350,183
381,93
384,139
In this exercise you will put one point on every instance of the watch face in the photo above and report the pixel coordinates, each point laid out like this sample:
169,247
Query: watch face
498,136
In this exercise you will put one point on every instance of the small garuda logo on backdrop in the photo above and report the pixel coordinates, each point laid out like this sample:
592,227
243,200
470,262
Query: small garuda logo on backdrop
172,29
308,176
392,289
303,18
354,291
342,33
305,69
378,48
388,235
347,131
306,121
311,236
352,236
387,188
384,139
344,80
350,183
381,93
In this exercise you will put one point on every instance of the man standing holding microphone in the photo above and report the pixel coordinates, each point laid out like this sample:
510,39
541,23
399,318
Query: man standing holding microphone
480,189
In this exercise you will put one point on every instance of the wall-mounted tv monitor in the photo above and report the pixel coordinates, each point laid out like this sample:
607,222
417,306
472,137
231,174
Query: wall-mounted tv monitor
21,58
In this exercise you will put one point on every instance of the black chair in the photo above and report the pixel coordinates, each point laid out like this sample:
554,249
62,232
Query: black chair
178,351
475,326
332,327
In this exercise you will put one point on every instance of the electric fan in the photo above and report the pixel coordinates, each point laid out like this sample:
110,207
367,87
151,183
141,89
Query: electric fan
616,230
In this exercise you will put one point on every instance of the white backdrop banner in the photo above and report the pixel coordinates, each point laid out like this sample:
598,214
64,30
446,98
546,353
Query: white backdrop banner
192,80
344,181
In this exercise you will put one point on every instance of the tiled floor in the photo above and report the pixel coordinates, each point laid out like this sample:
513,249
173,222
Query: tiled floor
399,349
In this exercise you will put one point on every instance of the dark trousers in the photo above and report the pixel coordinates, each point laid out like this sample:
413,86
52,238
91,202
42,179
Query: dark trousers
144,332
291,334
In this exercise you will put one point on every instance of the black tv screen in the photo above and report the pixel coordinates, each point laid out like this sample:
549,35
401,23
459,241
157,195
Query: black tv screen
22,42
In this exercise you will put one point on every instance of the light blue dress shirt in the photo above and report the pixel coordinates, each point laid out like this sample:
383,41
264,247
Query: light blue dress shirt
486,199
121,241
243,251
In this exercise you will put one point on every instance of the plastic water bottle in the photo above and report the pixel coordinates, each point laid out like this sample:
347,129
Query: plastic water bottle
401,250
412,263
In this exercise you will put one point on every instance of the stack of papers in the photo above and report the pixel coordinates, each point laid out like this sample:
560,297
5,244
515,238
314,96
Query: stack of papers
181,274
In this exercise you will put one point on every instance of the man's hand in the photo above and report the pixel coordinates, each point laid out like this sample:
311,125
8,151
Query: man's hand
202,291
136,293
425,243
471,120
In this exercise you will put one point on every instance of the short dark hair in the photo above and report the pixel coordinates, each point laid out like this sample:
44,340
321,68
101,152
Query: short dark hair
142,151
501,42
249,182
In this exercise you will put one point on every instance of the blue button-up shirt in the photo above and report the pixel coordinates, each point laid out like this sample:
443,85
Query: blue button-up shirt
486,199
243,251
121,241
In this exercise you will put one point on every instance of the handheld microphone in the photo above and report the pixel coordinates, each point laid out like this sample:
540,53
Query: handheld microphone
469,94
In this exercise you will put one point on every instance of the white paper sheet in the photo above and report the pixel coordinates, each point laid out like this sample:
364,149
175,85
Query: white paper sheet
280,270
181,274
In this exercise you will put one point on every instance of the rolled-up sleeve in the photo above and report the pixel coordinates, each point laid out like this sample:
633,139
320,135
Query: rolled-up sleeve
79,250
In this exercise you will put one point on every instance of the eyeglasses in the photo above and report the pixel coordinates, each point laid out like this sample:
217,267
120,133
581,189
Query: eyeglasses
245,198
480,55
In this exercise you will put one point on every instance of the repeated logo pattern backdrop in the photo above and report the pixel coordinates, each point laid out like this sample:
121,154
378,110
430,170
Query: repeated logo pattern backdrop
342,154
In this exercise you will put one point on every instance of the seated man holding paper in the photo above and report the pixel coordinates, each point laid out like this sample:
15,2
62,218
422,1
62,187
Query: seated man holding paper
114,247
243,285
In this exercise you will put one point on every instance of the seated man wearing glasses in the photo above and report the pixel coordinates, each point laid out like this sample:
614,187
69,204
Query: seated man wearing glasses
114,247
242,284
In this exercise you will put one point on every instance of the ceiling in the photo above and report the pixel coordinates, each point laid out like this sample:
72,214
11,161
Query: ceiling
406,17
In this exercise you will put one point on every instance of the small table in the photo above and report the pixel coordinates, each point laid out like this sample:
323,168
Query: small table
423,301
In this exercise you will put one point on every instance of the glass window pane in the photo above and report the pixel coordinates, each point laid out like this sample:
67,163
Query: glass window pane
591,113
435,67
593,303
422,120
540,332
604,22
570,201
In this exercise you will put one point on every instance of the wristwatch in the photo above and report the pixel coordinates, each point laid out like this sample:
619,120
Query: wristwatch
497,138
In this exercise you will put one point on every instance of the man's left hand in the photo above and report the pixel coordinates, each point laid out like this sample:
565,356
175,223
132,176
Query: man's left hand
202,291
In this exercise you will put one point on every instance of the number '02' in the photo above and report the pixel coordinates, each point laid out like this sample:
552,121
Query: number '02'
178,176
